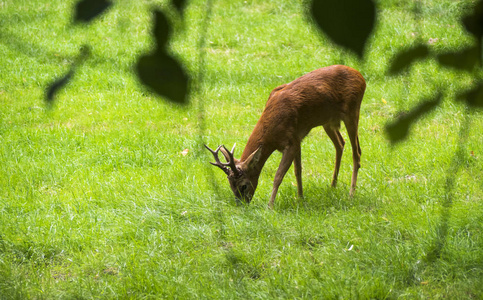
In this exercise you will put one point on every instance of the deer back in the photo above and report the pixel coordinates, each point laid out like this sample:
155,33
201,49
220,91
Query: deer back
324,96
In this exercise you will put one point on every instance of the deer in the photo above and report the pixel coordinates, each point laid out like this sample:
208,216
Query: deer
323,97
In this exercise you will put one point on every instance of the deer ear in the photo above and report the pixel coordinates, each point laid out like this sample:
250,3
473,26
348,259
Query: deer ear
253,159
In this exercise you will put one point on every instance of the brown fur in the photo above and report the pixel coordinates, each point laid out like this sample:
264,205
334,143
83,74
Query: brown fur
323,97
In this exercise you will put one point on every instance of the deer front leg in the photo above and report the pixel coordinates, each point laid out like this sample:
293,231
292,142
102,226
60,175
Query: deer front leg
287,158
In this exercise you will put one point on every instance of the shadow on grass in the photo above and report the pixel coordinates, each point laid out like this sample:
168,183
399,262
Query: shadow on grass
457,163
45,56
321,198
17,44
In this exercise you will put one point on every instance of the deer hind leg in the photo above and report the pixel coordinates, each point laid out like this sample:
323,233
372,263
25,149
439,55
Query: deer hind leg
352,130
338,140
297,164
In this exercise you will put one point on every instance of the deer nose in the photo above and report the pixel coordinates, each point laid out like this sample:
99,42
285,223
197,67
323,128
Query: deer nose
247,198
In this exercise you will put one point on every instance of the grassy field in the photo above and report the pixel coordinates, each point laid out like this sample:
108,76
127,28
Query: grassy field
97,199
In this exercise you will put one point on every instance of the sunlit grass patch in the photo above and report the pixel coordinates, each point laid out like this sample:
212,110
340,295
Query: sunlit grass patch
109,193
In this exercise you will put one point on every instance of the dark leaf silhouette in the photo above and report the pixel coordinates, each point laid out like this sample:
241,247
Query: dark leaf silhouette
473,97
162,31
474,22
406,57
56,85
159,71
180,5
399,129
85,51
164,76
465,59
348,23
87,10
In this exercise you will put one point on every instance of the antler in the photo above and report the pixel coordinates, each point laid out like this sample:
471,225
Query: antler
228,156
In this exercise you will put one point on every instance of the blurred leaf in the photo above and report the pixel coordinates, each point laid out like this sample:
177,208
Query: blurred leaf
399,128
406,57
159,71
180,5
86,10
473,97
348,23
164,76
162,30
474,21
85,51
56,85
465,59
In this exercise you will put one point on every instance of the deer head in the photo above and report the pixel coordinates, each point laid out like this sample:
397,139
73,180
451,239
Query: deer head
242,176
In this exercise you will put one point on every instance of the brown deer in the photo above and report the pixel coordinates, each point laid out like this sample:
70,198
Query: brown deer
323,97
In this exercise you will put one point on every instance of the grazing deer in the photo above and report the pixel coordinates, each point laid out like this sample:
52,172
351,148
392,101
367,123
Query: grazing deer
323,97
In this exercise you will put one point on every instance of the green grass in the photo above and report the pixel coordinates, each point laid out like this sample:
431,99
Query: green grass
97,201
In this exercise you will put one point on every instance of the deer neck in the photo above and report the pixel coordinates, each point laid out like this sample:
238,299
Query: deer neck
255,141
